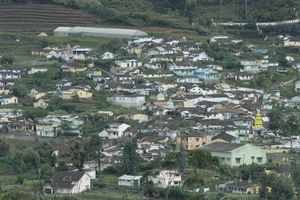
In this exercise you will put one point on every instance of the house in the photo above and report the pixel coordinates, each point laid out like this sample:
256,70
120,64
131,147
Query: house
129,181
108,56
200,57
206,74
127,100
243,76
37,70
80,92
297,86
41,103
166,178
294,102
292,42
224,137
236,154
68,182
242,187
9,73
46,130
250,66
8,100
93,73
139,117
128,63
114,131
84,94
193,140
36,94
73,68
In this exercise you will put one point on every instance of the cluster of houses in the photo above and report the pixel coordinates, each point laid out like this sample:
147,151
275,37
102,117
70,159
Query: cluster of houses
177,94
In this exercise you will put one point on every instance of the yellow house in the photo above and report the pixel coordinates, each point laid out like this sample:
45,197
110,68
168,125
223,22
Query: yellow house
40,104
82,94
138,52
244,187
73,69
4,91
36,94
97,73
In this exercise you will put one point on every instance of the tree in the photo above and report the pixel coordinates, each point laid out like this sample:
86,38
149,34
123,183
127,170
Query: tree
78,154
24,160
20,90
282,188
252,171
35,113
193,182
4,148
202,159
275,119
7,60
175,160
296,179
130,159
95,148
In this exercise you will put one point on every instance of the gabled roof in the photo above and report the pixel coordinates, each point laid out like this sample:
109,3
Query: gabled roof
224,136
221,147
66,179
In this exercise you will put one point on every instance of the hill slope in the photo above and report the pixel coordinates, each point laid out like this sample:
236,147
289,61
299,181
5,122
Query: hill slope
34,18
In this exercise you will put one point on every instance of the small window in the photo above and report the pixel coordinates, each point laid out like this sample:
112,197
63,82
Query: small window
238,160
259,160
197,139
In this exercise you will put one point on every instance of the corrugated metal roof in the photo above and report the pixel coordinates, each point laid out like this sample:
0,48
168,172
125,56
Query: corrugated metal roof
104,31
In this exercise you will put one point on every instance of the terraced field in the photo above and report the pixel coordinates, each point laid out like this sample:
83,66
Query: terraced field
36,18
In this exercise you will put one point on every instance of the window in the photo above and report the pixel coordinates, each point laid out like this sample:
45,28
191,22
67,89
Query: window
238,160
197,139
252,157
259,160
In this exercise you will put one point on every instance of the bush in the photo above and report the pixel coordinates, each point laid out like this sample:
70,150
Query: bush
4,148
177,194
110,170
99,184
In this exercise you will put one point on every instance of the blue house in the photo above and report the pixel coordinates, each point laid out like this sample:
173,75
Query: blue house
201,73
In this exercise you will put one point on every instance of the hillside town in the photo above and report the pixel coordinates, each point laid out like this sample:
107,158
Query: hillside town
157,107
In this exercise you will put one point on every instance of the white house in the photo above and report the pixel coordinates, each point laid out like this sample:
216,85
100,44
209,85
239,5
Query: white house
127,100
69,182
167,178
297,86
201,57
114,131
8,100
108,56
46,130
243,76
128,63
129,181
36,70
236,154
